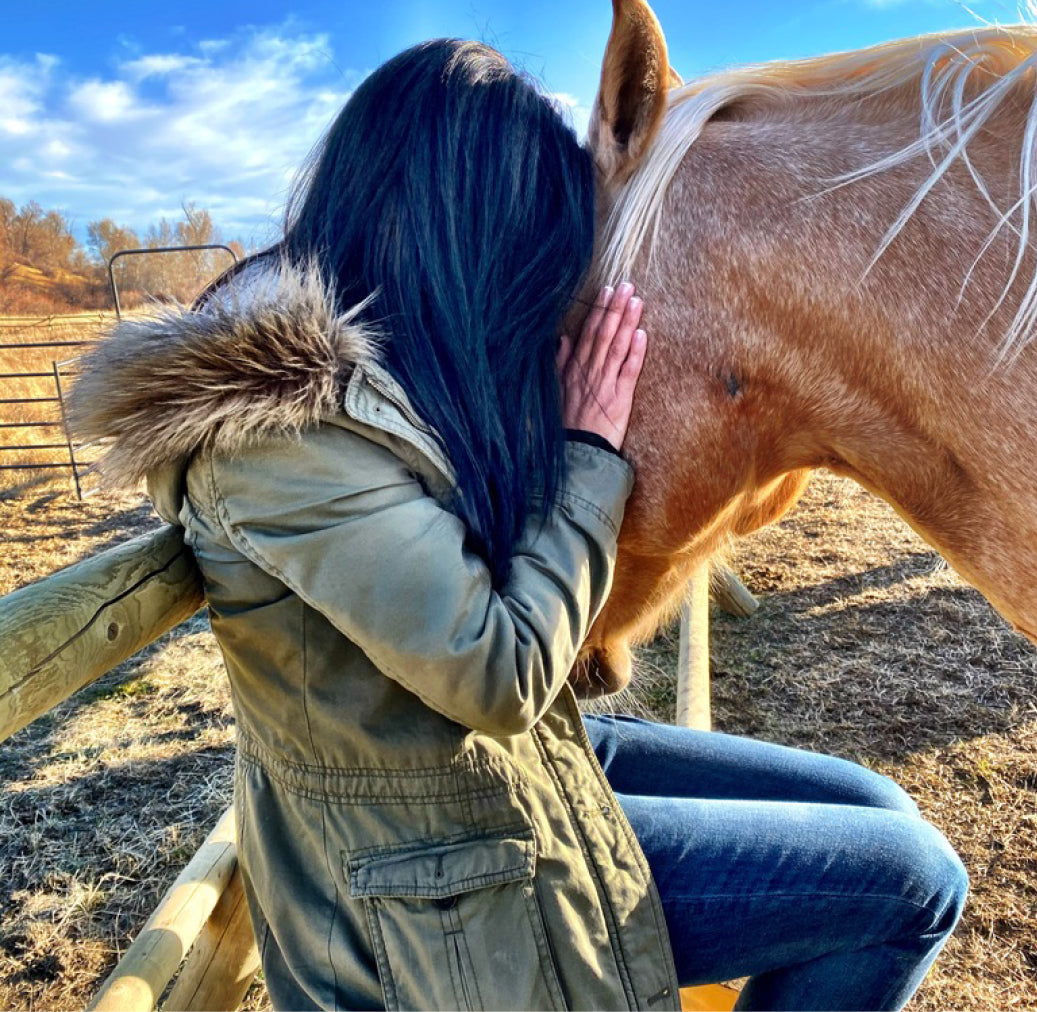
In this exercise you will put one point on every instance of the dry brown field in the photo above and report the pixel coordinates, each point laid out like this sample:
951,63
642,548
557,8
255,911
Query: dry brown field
865,646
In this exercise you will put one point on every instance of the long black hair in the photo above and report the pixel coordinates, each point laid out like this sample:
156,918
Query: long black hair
452,189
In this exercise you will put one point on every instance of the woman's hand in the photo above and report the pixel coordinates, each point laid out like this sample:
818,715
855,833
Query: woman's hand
599,371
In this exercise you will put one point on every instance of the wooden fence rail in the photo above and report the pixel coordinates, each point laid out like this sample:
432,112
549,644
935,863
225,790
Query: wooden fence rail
202,921
57,636
62,633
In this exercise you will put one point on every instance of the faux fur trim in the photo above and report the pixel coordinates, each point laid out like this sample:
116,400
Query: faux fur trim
268,354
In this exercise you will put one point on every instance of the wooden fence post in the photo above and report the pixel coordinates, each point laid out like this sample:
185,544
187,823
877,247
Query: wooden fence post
693,655
223,960
729,593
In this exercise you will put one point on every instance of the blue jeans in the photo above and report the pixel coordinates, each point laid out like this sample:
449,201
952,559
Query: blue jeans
812,876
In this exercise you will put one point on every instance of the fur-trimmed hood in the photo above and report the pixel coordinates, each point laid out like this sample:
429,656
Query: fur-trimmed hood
269,353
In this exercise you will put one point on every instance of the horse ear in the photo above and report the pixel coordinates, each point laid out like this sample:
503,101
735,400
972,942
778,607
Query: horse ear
635,76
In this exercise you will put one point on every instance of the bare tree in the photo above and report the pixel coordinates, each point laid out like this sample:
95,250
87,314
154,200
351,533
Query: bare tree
34,240
182,275
37,237
105,239
7,261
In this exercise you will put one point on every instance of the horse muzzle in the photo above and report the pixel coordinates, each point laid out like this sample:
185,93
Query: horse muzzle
600,671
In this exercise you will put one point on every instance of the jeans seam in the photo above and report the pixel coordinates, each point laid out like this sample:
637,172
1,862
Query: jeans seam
756,898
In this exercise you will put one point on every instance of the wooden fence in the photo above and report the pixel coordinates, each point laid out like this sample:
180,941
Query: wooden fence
62,633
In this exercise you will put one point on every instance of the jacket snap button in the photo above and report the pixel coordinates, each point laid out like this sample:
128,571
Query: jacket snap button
606,809
445,902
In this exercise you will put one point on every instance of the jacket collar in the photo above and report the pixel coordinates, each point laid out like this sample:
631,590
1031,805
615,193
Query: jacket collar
269,353
374,398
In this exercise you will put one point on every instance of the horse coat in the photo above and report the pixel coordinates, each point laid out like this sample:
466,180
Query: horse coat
422,822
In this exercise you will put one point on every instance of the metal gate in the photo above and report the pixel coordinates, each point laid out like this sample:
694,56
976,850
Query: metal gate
53,431
44,432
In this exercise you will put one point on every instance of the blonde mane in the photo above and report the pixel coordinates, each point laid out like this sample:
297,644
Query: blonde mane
963,78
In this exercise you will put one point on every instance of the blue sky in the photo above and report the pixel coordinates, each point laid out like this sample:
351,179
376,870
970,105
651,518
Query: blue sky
133,108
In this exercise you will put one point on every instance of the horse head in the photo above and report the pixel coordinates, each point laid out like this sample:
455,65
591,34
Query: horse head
825,285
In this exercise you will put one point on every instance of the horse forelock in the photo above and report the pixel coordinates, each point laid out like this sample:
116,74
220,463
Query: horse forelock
956,82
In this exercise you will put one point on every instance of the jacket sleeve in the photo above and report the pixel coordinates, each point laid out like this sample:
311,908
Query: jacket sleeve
350,529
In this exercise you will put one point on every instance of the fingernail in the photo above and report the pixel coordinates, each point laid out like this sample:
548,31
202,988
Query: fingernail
607,293
640,336
635,303
625,288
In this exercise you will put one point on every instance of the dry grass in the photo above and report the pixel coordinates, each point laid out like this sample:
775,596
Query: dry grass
864,646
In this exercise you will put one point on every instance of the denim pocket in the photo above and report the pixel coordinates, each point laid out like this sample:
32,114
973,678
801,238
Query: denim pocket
456,925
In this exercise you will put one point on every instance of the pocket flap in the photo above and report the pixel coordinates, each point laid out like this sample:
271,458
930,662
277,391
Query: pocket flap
445,869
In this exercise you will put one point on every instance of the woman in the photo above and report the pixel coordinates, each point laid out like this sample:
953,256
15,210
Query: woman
406,524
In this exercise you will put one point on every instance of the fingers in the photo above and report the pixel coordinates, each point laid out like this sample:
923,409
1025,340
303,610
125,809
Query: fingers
616,352
596,340
565,350
600,368
605,337
635,358
616,340
596,315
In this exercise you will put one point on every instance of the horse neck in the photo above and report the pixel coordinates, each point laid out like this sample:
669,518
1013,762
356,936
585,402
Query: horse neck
884,374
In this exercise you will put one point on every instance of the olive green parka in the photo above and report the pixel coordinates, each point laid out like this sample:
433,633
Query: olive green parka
422,822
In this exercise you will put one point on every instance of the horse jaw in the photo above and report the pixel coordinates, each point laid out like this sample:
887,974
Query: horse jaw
649,589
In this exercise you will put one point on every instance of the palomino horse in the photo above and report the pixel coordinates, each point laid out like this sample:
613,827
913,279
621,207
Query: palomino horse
838,271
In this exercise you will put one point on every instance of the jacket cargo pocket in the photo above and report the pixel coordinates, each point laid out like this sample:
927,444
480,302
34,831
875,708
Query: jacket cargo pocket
438,912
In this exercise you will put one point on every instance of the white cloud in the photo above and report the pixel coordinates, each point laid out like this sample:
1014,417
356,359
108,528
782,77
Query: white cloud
158,64
56,149
210,47
15,125
105,101
22,87
224,124
573,110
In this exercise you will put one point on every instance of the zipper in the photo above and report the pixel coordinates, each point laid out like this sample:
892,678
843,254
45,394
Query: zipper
553,973
592,865
424,439
405,408
585,743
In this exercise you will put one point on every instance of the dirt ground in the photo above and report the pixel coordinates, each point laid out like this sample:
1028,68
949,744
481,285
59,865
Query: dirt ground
865,646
